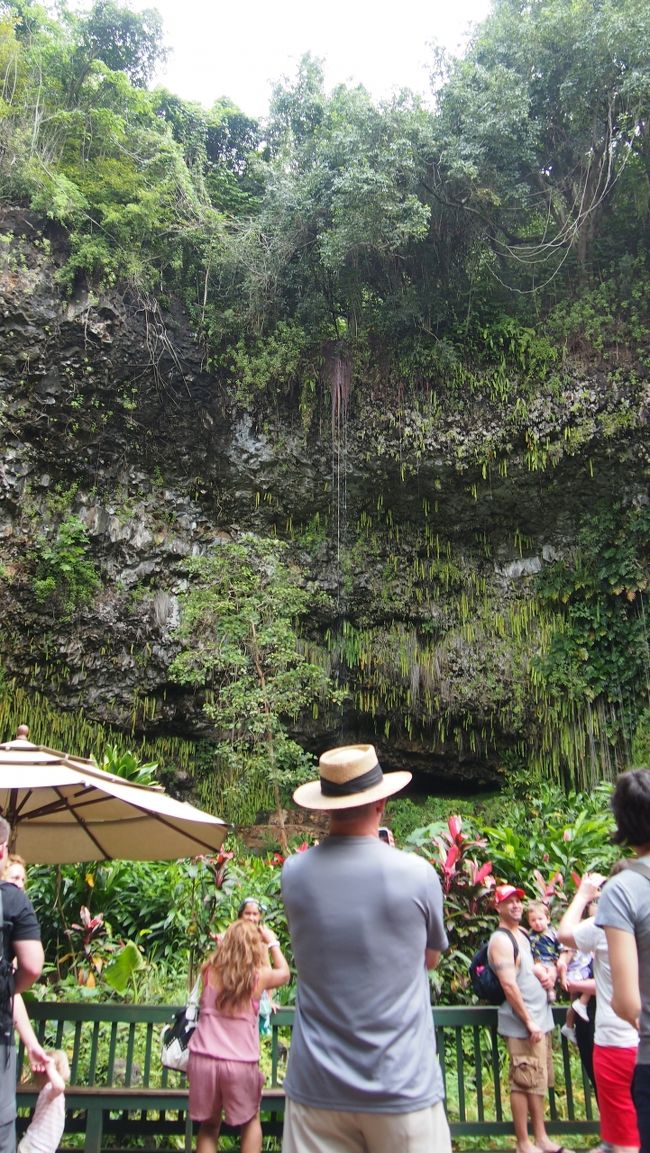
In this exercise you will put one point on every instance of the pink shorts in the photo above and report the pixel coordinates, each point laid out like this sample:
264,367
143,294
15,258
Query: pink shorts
230,1087
613,1070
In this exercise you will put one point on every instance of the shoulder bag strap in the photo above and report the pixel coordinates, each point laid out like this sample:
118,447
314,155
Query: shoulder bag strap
638,867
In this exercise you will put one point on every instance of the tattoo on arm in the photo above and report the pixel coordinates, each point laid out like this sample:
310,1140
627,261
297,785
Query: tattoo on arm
501,966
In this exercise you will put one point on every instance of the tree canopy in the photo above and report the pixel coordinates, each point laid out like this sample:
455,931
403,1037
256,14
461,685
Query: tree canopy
338,221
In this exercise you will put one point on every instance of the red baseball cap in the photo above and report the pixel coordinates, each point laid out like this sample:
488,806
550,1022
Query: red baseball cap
503,892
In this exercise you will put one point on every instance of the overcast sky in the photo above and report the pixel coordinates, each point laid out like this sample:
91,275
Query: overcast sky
240,47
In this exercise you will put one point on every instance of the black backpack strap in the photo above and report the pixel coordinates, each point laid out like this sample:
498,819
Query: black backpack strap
515,946
638,867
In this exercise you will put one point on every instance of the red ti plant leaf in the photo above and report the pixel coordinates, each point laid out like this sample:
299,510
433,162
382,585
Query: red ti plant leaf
455,825
479,875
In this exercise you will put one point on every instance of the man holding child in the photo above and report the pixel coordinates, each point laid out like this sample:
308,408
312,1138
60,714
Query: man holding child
525,1020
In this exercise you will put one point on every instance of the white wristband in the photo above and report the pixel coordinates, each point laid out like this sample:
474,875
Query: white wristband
274,944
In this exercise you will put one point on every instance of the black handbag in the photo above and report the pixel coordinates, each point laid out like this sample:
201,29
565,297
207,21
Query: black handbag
175,1037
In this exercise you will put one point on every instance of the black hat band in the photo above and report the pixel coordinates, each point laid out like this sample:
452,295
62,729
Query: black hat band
367,780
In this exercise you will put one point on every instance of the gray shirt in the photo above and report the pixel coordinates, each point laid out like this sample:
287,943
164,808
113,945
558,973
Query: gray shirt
625,904
534,995
361,915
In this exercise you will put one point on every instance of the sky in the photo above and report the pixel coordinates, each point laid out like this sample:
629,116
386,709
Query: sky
241,47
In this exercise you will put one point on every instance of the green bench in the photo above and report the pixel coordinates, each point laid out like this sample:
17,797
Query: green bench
119,1090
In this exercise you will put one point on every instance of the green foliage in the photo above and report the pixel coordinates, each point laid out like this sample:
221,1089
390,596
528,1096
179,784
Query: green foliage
168,912
124,763
342,221
65,576
123,40
550,840
641,741
466,885
239,640
599,648
147,924
120,971
540,120
275,364
561,847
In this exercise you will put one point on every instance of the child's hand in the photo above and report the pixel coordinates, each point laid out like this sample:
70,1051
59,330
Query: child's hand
54,1077
539,969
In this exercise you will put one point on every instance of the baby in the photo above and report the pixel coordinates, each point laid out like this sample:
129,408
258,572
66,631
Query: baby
45,1130
579,968
544,945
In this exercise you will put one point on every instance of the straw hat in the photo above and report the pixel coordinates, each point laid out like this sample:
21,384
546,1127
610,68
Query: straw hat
349,776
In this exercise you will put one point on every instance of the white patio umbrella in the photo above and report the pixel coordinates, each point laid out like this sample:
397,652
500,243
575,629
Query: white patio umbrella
64,809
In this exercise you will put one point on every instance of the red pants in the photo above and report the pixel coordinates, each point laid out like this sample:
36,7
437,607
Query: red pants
613,1069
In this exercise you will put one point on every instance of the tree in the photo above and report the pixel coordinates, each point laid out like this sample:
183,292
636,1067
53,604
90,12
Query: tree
123,40
239,635
538,123
341,214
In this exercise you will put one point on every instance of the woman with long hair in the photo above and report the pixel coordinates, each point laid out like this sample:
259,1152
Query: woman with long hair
224,1073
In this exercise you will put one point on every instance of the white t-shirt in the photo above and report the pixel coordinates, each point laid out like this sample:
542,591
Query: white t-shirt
610,1029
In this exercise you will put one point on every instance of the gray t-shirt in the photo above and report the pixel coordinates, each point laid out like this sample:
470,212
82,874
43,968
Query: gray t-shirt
361,915
625,904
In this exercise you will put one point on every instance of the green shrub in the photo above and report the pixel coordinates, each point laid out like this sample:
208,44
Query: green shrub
65,574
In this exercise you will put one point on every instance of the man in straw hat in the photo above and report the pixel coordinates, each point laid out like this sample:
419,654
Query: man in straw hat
366,922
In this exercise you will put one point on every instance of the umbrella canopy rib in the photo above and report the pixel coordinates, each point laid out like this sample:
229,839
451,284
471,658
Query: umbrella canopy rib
87,830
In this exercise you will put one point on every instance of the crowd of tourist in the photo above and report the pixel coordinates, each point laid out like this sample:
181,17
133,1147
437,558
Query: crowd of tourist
366,923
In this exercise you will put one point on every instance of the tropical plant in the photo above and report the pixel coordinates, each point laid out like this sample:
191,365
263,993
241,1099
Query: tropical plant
239,640
466,884
124,763
65,576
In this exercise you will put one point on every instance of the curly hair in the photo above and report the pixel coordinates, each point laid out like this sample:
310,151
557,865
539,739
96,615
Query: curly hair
537,907
235,965
631,808
13,859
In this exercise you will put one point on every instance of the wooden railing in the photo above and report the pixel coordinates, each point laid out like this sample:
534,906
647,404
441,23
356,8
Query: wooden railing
119,1087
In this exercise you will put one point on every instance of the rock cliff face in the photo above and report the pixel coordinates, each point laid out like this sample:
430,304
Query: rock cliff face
425,521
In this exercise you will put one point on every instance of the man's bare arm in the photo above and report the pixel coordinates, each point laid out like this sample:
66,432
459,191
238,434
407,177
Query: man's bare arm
624,962
29,957
432,958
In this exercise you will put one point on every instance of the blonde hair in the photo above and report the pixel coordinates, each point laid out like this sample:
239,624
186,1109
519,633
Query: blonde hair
14,859
537,907
235,965
61,1064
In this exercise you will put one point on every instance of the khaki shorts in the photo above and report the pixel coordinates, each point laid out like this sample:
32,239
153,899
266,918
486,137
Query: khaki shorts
310,1130
531,1065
